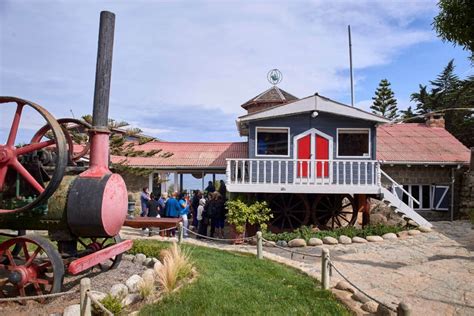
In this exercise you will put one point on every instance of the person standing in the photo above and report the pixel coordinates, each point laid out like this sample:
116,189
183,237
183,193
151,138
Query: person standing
144,198
210,187
222,189
162,204
201,220
194,207
184,212
172,208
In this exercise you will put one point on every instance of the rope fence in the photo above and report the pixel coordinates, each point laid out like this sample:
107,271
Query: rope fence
216,239
304,254
36,297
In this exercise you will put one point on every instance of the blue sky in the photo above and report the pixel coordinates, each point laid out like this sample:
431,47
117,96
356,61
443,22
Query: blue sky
181,69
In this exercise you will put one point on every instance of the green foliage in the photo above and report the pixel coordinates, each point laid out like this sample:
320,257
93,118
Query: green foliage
454,23
407,114
238,284
306,232
113,304
240,213
385,103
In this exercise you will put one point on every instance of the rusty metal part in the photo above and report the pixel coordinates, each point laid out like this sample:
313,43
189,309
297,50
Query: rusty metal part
9,155
332,211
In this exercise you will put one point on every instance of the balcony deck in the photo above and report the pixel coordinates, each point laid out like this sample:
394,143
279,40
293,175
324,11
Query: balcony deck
303,176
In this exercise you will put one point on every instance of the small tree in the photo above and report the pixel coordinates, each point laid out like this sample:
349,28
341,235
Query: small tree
407,114
385,103
240,213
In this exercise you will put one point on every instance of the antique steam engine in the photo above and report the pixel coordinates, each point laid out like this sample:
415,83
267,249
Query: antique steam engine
82,214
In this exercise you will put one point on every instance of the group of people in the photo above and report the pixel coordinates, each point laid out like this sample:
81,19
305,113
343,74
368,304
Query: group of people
204,209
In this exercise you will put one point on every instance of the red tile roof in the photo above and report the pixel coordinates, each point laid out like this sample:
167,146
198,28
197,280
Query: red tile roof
418,143
192,155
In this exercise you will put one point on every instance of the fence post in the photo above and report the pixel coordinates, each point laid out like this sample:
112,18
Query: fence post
403,309
325,269
180,232
85,300
259,245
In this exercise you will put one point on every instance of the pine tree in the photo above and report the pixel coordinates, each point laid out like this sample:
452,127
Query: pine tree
407,114
385,103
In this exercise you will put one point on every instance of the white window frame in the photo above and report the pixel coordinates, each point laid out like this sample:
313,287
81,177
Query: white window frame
432,206
443,196
257,128
338,130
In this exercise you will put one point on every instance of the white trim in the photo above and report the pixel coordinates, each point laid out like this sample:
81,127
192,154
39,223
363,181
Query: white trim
443,196
275,128
298,188
353,129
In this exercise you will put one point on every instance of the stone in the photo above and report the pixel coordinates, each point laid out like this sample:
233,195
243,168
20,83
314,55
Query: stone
119,290
358,240
315,229
359,297
370,307
345,286
374,238
282,243
99,296
158,266
403,234
72,310
154,260
148,262
376,219
298,242
269,244
139,258
131,299
414,232
389,236
383,311
345,240
149,276
128,257
425,229
133,282
330,240
315,242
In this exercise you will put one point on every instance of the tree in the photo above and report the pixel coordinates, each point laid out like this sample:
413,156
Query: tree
454,23
385,103
407,114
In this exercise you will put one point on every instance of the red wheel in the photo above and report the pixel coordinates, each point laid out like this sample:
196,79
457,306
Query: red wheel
37,269
13,158
290,211
334,211
94,244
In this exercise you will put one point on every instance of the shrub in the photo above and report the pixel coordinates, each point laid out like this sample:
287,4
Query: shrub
113,304
240,213
176,266
146,287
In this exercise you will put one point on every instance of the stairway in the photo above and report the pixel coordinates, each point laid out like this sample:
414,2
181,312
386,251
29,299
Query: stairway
401,208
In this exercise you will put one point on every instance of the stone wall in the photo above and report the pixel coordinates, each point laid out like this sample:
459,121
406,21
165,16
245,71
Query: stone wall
466,203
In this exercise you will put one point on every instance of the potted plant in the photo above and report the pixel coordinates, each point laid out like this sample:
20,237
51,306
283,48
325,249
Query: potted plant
240,214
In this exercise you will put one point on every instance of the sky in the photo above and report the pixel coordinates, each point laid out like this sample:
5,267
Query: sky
181,69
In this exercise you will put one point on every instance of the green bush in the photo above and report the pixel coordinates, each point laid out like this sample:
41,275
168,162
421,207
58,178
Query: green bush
241,213
113,304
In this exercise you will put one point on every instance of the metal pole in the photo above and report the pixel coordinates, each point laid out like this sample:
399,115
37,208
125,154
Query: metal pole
180,232
325,269
259,245
453,179
403,309
85,300
350,63
103,69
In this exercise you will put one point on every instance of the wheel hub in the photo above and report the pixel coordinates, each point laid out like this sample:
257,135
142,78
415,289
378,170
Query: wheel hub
21,275
6,154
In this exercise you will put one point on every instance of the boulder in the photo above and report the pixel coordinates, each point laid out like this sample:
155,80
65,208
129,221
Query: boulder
383,311
315,242
345,286
370,307
131,299
269,244
128,257
148,262
119,290
424,229
154,260
158,266
149,276
330,240
389,236
374,238
282,243
414,232
403,234
99,296
133,282
359,297
298,242
139,258
72,310
359,240
344,240
378,218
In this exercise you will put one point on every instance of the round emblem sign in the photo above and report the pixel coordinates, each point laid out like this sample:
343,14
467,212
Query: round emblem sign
274,76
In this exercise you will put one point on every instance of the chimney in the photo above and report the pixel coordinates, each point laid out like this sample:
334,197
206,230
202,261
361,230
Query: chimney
435,120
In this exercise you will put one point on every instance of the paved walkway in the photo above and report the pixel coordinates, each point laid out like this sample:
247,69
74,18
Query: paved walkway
433,272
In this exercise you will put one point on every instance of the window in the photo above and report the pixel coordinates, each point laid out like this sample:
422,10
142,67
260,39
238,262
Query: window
272,141
353,142
434,197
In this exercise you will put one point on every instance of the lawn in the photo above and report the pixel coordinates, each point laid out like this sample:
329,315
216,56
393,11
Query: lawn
239,284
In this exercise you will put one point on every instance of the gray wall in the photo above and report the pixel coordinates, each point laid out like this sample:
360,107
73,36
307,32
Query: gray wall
324,122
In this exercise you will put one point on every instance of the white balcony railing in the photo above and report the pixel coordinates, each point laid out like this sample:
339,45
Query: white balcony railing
303,172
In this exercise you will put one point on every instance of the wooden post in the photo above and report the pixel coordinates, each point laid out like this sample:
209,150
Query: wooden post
259,245
180,232
403,309
325,269
471,165
85,300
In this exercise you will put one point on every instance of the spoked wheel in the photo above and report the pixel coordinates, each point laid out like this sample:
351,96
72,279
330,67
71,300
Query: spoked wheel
334,211
96,244
21,164
290,211
36,270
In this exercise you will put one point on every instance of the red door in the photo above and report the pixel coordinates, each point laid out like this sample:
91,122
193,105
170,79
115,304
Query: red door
304,152
322,153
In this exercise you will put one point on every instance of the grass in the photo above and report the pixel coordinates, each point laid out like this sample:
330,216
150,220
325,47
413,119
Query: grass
238,284
350,231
